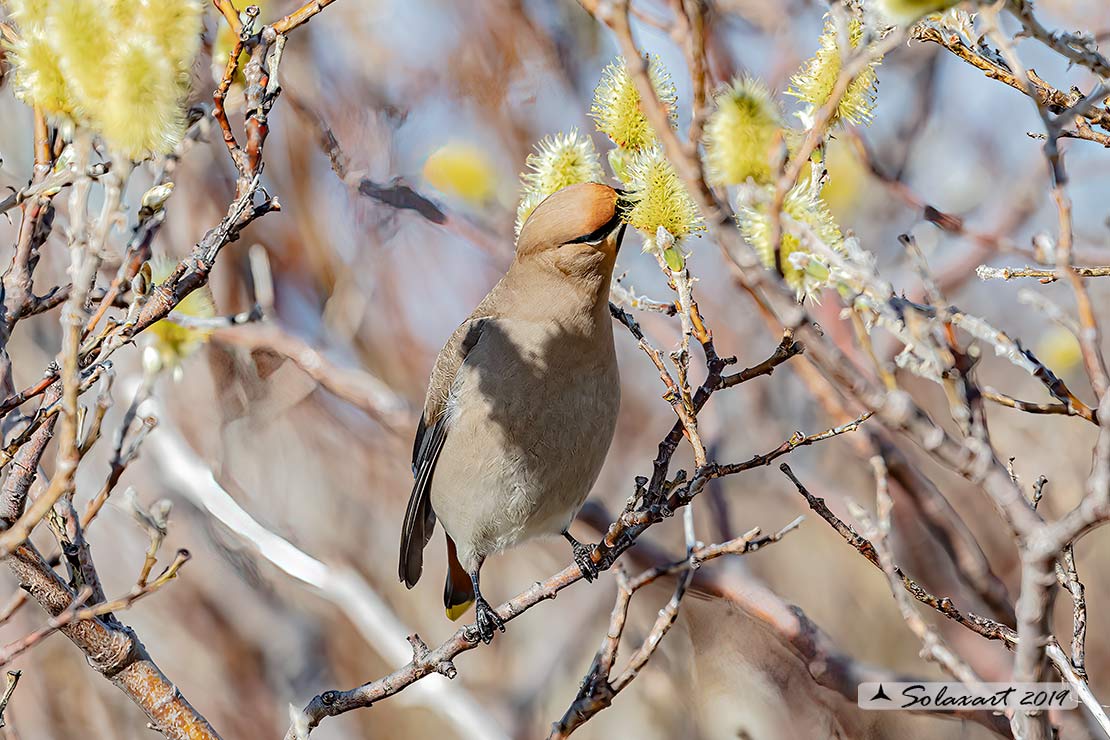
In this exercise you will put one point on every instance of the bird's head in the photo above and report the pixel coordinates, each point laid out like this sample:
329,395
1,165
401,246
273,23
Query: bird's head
580,219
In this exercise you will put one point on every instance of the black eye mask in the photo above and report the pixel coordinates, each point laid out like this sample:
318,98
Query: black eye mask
598,234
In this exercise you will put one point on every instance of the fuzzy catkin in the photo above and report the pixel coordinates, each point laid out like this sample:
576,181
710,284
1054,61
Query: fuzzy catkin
559,161
119,68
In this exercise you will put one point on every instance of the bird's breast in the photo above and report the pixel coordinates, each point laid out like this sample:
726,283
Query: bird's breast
531,415
547,394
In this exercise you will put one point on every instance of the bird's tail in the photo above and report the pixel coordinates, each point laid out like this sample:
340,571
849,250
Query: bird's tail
458,592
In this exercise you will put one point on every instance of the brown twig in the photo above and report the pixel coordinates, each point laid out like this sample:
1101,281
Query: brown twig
1079,49
150,222
673,395
988,628
933,646
787,624
12,681
124,450
111,648
25,465
1041,545
51,407
300,16
787,348
973,459
13,649
17,600
1064,409
1068,577
76,611
1042,93
230,14
599,687
220,96
114,651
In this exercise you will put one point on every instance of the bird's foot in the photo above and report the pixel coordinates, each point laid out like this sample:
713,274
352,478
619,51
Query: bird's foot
486,621
584,561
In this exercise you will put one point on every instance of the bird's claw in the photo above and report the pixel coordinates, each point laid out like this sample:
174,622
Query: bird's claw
486,621
583,560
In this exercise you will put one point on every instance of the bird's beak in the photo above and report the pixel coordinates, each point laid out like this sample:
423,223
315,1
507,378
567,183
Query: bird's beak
623,205
619,237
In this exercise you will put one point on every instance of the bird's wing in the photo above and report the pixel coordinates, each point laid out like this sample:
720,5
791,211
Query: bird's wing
420,520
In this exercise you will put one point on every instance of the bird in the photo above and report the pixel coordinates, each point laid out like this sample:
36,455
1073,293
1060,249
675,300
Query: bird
522,402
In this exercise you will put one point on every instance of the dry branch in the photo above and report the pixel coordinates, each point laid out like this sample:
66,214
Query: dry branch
619,537
599,686
113,650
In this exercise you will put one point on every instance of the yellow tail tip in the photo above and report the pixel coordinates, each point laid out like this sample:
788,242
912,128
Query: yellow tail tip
454,612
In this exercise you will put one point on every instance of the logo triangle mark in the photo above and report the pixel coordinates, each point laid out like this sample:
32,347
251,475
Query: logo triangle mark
880,694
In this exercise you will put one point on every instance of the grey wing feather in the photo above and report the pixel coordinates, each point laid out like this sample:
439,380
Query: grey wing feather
420,519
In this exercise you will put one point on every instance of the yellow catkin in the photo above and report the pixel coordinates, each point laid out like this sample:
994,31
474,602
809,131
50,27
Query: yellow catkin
172,25
124,13
658,197
740,133
141,111
802,209
82,36
40,80
29,14
118,67
559,161
814,82
616,107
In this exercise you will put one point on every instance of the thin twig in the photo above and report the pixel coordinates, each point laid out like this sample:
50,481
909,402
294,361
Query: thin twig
13,680
933,646
1045,276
